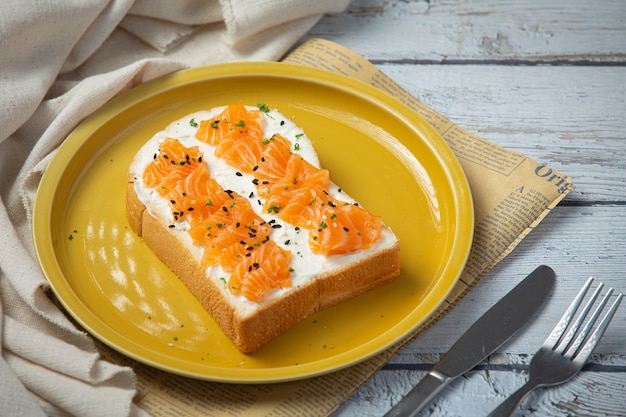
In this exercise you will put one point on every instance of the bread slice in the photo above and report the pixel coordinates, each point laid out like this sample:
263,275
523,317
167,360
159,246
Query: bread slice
317,281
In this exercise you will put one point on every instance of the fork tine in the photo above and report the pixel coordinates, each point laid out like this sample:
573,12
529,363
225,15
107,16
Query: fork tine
574,347
565,342
582,353
555,336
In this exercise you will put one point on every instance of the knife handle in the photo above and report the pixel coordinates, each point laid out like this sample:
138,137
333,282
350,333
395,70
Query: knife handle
420,395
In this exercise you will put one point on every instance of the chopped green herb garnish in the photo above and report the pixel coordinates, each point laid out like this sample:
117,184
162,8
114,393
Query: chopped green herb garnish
214,124
264,108
323,225
273,209
299,135
296,147
193,123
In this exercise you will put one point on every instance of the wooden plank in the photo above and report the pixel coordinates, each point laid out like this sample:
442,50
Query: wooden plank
568,117
498,31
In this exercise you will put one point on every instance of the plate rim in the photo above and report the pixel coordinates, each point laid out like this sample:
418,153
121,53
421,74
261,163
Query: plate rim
174,80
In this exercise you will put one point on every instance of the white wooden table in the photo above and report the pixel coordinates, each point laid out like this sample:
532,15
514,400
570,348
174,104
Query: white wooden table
547,78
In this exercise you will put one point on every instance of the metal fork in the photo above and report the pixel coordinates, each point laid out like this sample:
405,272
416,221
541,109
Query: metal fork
565,351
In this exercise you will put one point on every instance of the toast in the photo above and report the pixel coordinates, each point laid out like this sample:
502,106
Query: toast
234,201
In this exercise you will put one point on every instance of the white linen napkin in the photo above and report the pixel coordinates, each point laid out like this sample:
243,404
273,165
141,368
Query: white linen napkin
59,62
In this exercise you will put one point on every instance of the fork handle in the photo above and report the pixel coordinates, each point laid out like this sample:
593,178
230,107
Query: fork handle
510,404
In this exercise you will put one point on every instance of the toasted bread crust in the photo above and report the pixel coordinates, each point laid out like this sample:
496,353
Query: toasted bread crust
274,317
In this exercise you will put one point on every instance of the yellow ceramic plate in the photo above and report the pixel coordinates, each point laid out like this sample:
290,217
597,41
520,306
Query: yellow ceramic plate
376,149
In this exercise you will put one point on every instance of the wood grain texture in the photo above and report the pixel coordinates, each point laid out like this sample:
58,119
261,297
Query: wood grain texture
547,79
458,31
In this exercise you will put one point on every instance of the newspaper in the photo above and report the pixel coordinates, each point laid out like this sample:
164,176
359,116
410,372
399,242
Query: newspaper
511,194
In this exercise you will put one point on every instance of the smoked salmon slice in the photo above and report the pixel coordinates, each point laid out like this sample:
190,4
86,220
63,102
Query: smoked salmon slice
173,160
237,133
266,268
272,165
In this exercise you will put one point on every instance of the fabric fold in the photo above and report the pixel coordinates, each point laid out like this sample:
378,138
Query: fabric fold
244,18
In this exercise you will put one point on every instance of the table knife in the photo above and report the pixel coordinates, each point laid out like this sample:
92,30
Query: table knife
490,332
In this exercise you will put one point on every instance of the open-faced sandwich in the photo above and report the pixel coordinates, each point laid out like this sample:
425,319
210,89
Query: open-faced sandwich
234,201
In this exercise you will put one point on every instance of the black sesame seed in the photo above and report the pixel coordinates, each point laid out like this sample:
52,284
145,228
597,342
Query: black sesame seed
346,229
200,159
287,241
282,122
173,201
255,168
277,226
239,174
250,248
189,208
255,181
330,203
172,226
225,209
265,182
165,156
262,159
251,194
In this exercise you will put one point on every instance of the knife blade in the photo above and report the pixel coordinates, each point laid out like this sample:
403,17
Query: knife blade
486,335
